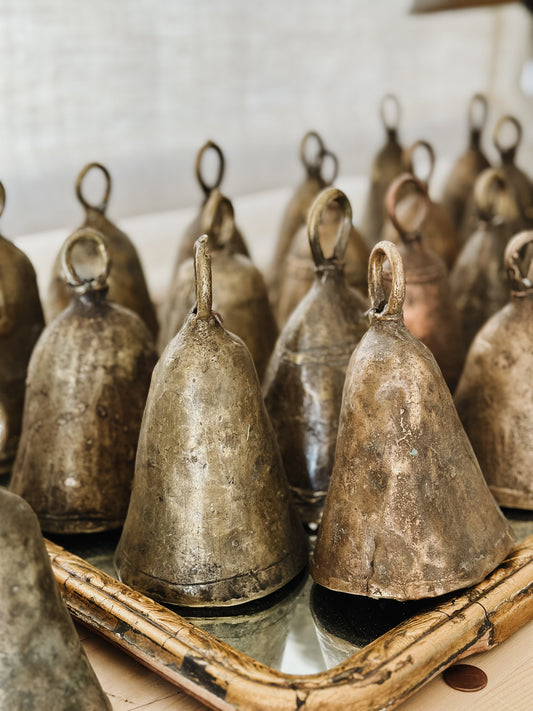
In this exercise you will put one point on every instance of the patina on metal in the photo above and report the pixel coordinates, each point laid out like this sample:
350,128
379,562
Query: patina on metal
495,394
387,165
478,280
438,228
304,381
458,190
429,310
127,284
210,520
21,322
408,513
86,389
519,183
42,662
240,293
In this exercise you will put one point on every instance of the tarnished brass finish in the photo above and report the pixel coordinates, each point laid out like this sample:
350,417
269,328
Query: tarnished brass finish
42,662
387,165
87,383
429,310
127,285
408,514
191,234
305,377
495,394
438,229
299,268
240,293
478,280
21,322
210,520
295,215
458,191
519,183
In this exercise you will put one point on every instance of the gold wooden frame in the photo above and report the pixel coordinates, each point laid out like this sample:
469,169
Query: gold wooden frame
382,674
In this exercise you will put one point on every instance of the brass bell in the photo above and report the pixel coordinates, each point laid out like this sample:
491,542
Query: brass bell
87,383
299,269
305,377
519,183
387,165
295,215
127,285
478,280
408,513
42,663
429,310
210,520
459,186
186,248
438,229
240,291
494,397
21,322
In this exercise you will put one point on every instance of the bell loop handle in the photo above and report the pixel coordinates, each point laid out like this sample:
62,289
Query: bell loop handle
2,198
408,159
507,152
102,207
522,283
202,277
391,202
486,189
79,284
218,219
382,308
206,186
325,198
393,121
326,153
312,164
478,110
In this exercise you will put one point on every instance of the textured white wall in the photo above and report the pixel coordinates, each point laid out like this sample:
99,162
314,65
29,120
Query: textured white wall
140,85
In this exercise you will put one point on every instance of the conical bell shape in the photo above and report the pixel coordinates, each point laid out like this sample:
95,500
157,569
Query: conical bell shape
429,310
305,377
519,183
186,248
495,394
42,663
87,384
387,165
127,285
21,322
240,293
295,215
299,269
458,190
210,520
478,280
408,513
437,227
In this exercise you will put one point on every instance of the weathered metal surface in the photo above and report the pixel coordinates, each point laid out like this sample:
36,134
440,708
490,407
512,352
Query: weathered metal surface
519,183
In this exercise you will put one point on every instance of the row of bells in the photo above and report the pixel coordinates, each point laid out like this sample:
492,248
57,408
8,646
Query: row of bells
356,407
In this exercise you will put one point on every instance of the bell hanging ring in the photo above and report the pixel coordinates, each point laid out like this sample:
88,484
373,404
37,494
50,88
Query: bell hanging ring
519,183
408,514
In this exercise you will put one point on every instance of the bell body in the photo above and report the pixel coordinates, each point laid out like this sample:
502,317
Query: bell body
127,284
87,384
210,521
21,322
521,187
458,191
42,662
408,513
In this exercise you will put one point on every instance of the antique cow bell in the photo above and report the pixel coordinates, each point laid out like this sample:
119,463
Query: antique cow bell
408,513
387,165
494,398
305,377
429,310
240,292
438,229
186,248
210,520
21,322
86,389
126,282
458,191
519,183
42,663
